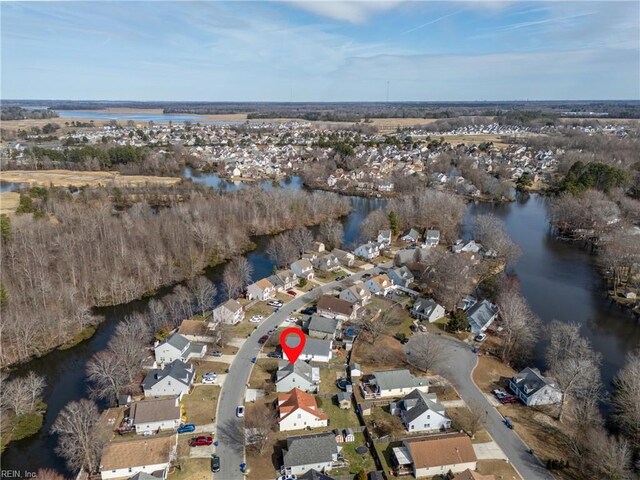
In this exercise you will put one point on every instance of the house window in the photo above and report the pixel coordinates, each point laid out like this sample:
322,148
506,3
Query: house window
413,427
299,415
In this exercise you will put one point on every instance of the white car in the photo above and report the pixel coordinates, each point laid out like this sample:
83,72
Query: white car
481,337
240,411
208,380
291,320
256,319
275,303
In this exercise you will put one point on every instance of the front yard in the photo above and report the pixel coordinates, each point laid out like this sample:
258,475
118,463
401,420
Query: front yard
263,371
191,469
205,367
200,405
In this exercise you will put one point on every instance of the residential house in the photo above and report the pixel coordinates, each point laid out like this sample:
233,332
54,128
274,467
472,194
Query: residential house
427,309
468,247
481,315
439,454
151,455
261,290
431,238
332,307
297,375
174,379
355,370
302,268
316,350
314,475
327,263
392,383
344,400
421,412
357,294
346,259
380,284
401,276
195,330
298,410
533,388
230,312
152,416
471,475
285,279
324,328
368,251
411,236
318,247
409,255
384,237
177,347
306,452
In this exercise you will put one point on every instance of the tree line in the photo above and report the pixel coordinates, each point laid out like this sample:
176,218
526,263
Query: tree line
83,253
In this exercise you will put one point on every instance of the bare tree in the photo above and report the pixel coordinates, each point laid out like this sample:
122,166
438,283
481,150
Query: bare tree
237,275
375,221
282,250
377,324
609,455
449,276
621,257
128,345
425,351
108,375
332,233
302,238
520,325
35,385
204,292
81,438
260,422
22,394
626,399
474,418
490,231
572,362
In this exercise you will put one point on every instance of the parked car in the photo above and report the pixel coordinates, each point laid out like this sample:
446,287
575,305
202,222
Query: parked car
292,293
272,331
263,339
256,319
210,374
498,392
254,360
508,399
275,303
188,428
215,463
291,320
200,441
308,311
240,411
274,355
216,353
208,380
481,337
366,275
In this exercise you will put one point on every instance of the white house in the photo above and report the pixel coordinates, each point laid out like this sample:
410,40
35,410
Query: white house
177,347
357,294
380,285
261,290
468,247
421,412
533,388
384,237
286,279
431,238
306,452
302,268
298,410
346,259
151,455
392,383
368,251
481,315
327,263
411,236
155,415
439,454
316,350
175,379
297,375
230,312
427,309
401,276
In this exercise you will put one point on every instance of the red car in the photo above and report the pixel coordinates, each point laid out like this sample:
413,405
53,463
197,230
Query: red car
200,441
263,339
292,293
508,399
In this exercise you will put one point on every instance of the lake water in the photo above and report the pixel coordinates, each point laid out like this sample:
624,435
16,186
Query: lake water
10,186
140,117
558,279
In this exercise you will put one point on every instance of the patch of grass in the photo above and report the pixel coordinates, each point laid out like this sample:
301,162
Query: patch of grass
262,372
338,418
258,308
192,469
243,329
383,451
328,380
80,337
356,461
204,367
26,425
498,468
200,405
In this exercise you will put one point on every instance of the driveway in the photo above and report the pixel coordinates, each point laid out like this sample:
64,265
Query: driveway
458,368
230,429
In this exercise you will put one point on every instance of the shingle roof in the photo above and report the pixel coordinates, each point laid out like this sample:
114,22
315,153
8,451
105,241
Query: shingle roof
335,305
310,449
135,453
449,449
323,324
471,475
394,379
178,341
480,315
296,399
157,410
317,347
302,369
530,380
263,283
314,475
304,264
424,305
232,305
416,403
178,370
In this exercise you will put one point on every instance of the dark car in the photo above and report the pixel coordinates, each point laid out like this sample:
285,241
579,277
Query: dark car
263,339
188,428
292,293
508,399
308,311
215,463
201,441
216,353
274,355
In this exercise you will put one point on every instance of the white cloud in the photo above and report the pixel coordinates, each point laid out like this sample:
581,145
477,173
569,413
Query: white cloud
348,11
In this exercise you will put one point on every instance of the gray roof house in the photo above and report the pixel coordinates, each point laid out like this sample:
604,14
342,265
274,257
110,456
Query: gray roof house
384,237
314,475
534,389
357,293
177,347
392,383
155,415
432,238
324,328
401,276
230,312
327,263
427,309
346,259
421,412
303,453
284,279
298,375
302,268
411,236
481,315
316,350
174,379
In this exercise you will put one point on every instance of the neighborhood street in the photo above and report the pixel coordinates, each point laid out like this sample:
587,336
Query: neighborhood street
457,369
230,429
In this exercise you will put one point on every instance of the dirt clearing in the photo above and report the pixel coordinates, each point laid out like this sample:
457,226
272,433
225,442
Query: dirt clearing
65,178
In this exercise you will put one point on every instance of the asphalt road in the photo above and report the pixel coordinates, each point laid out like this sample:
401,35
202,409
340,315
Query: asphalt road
457,369
229,429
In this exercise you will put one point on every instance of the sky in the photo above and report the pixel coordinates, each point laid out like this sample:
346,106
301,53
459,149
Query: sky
320,51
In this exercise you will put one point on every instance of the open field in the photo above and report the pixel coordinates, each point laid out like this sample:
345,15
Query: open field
64,178
9,201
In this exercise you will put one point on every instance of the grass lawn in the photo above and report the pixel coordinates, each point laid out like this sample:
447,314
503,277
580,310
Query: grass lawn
264,466
327,277
243,329
204,367
383,450
258,308
386,424
356,461
262,371
200,405
328,380
338,418
498,468
192,469
458,416
491,373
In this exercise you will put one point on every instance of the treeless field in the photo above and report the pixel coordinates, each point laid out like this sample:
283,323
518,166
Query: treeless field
64,178
9,202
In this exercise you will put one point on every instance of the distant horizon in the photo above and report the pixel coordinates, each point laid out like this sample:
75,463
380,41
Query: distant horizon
390,102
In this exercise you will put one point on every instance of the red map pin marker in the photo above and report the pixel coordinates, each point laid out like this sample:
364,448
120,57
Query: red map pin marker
292,352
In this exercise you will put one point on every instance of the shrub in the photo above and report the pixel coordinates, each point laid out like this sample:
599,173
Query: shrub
26,425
